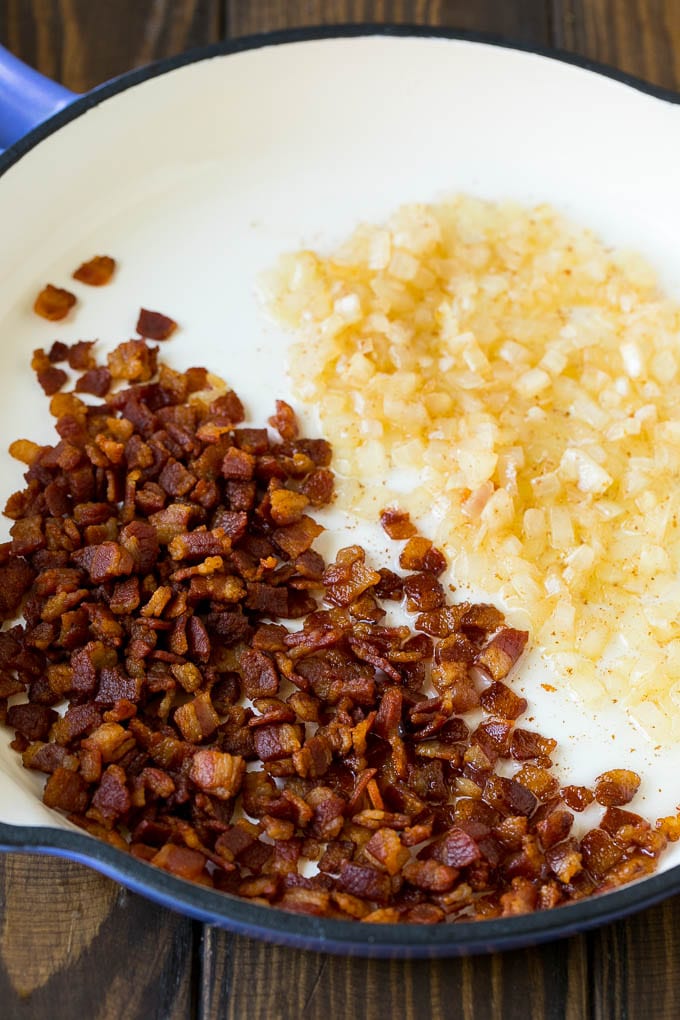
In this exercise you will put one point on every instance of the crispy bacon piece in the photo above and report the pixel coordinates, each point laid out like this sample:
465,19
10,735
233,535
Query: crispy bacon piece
96,381
16,577
96,272
397,524
155,325
362,881
180,861
217,773
66,790
617,787
54,303
284,421
502,652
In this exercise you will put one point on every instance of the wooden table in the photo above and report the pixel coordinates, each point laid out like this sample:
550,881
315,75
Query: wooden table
75,945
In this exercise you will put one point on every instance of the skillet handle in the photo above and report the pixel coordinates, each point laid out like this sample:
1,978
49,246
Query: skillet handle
26,98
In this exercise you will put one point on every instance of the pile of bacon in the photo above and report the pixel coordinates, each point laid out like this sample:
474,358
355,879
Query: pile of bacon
323,766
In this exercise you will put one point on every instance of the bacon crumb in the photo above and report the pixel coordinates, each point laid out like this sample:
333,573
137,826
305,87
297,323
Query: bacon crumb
96,272
54,303
155,325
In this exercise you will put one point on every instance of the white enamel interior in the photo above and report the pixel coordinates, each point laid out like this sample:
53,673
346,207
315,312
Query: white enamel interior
197,180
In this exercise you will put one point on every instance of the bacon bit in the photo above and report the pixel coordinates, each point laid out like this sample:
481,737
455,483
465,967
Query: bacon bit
374,795
499,700
670,827
577,797
197,719
66,790
159,551
397,524
111,800
180,861
364,881
385,850
431,876
617,787
565,860
217,773
555,827
502,652
53,303
154,325
599,853
284,421
15,580
521,900
133,361
286,506
96,272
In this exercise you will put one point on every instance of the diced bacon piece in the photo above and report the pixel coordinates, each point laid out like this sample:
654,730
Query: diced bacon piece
54,303
155,325
217,773
616,787
502,652
96,272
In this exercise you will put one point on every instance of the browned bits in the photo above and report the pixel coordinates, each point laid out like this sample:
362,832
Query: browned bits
397,523
54,303
577,797
159,551
155,325
616,787
96,272
50,378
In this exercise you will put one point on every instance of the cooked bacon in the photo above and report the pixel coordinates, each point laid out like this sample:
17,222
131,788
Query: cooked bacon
217,773
284,420
502,652
366,882
66,790
159,552
80,356
31,721
155,325
397,524
96,272
15,580
617,787
54,303
133,361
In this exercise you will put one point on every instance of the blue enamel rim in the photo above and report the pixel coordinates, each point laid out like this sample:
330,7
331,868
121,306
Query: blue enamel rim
349,938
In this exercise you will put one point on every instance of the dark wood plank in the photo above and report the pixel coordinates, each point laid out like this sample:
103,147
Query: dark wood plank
522,19
638,36
245,978
74,944
635,966
84,42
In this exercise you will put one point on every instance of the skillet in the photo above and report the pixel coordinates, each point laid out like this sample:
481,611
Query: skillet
197,172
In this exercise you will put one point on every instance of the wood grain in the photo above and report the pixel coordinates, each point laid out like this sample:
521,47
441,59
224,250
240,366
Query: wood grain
84,42
74,944
548,983
527,20
638,36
